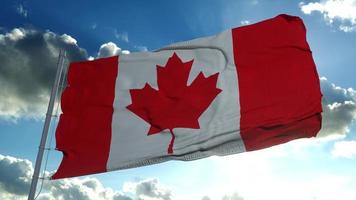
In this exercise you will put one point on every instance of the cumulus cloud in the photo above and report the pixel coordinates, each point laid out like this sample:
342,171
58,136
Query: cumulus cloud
343,11
244,22
124,36
21,10
110,49
80,189
234,196
347,28
15,177
346,149
339,108
28,65
141,48
149,189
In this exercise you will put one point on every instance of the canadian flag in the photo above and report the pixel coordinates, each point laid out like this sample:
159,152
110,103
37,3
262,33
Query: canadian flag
244,89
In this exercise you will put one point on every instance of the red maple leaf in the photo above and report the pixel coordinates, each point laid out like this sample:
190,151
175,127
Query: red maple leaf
174,105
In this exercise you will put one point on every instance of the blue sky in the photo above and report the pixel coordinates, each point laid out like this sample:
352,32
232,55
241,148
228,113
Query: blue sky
32,32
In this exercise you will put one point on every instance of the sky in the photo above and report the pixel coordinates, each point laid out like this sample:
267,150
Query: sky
33,32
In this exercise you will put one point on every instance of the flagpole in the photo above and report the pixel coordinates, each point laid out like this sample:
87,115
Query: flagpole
54,91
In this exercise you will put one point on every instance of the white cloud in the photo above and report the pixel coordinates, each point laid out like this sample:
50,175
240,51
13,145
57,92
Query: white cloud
80,189
347,28
94,26
244,22
28,63
310,7
124,36
29,58
125,52
141,48
339,108
21,10
110,49
149,189
346,149
15,177
267,174
68,39
343,11
234,196
15,35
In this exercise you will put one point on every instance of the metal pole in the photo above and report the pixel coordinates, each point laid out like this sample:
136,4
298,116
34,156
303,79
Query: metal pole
46,125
